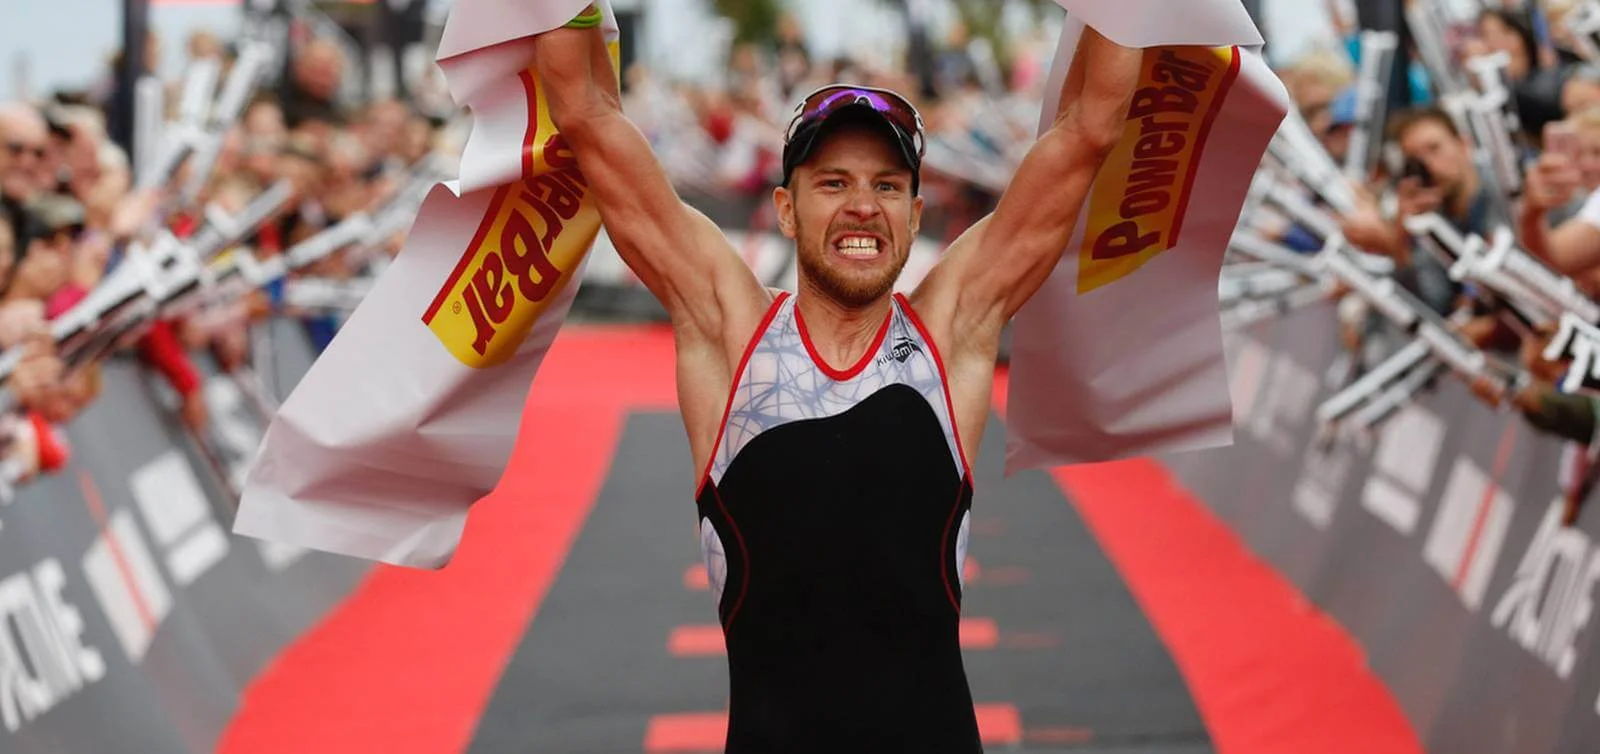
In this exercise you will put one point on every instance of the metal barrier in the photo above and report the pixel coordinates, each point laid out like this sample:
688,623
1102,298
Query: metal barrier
132,621
1435,541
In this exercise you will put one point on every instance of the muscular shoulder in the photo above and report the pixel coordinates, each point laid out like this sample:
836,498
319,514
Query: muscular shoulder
714,345
709,361
958,328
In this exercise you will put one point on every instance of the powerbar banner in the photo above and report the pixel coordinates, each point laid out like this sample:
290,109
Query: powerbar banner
1120,353
1435,541
410,415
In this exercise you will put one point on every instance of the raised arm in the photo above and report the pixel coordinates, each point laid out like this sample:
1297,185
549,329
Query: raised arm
999,263
679,254
1573,247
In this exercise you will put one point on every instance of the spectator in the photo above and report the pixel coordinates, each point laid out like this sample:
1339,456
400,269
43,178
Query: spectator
40,381
1538,88
344,188
1580,88
53,225
1570,416
381,128
1573,246
1504,31
954,68
1441,177
1334,124
24,145
263,120
8,259
417,139
794,66
203,45
1586,125
312,88
82,133
1314,81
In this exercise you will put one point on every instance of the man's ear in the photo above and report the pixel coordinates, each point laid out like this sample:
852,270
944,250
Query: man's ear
783,200
916,216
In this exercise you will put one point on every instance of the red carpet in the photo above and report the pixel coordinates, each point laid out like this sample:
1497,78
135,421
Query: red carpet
1269,672
409,661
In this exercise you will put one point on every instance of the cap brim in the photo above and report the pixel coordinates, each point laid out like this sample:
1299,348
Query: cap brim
807,135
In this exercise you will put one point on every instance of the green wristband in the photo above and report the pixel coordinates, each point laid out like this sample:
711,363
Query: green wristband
588,19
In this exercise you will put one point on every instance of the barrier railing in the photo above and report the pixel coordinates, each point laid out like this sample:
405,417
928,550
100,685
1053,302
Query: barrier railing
1435,539
133,619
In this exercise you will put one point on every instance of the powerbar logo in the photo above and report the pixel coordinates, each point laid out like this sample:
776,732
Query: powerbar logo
1137,207
528,245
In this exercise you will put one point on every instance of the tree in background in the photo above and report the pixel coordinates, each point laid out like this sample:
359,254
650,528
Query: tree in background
753,20
980,20
983,20
756,21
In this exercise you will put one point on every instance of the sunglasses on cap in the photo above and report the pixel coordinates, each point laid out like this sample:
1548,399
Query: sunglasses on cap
824,102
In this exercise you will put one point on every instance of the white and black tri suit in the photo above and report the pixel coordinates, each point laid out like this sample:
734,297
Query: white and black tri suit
834,517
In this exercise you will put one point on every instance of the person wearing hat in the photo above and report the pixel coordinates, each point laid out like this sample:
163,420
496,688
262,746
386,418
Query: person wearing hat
38,382
51,226
832,426
24,144
1335,136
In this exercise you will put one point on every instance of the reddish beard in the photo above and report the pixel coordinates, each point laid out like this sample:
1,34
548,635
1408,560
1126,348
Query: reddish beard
850,286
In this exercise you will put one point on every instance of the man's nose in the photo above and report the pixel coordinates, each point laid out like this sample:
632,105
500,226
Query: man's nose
863,204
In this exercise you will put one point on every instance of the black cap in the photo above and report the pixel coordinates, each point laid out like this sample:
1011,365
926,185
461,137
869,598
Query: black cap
47,216
808,134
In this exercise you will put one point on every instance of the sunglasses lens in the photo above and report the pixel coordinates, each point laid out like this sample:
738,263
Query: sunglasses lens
888,104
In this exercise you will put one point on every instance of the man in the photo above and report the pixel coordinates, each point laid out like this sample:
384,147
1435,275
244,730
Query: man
40,382
53,227
311,90
1440,177
832,436
24,145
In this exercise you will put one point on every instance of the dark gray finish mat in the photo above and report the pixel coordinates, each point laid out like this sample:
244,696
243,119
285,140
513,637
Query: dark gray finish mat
1073,654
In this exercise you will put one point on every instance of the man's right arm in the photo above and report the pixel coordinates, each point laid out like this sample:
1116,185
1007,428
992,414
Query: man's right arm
678,253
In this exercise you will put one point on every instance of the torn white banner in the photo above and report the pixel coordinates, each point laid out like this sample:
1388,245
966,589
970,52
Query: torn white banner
1120,353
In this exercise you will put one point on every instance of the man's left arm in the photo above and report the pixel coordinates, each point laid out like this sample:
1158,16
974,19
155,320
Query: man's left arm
999,263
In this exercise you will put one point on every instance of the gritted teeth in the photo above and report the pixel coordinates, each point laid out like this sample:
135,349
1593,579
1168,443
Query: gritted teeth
858,246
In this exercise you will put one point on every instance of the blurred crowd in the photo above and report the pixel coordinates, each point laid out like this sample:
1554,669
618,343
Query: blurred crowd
1432,163
71,204
724,138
